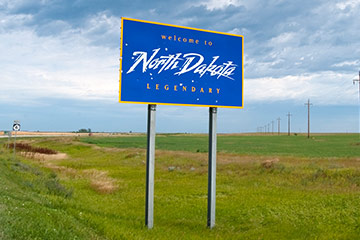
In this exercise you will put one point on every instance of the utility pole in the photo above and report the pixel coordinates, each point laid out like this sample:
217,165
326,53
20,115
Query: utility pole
308,105
272,127
278,119
289,115
358,80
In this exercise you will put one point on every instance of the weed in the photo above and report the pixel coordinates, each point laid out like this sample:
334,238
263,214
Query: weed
54,187
28,148
319,173
20,166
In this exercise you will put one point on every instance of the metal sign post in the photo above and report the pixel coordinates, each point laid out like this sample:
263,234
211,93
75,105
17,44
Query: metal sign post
15,145
16,128
212,168
150,165
8,133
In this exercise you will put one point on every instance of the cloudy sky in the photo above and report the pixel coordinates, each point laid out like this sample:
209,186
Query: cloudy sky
59,63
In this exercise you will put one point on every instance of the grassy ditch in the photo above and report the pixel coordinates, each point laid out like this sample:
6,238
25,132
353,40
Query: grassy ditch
32,203
97,192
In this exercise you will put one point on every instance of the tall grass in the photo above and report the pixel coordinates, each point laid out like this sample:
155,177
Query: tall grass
294,197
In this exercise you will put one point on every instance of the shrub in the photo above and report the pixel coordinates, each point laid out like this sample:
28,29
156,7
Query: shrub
28,148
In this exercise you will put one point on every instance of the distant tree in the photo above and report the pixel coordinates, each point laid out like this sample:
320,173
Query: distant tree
84,130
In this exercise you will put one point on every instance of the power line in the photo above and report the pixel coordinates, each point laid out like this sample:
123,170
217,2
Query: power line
308,105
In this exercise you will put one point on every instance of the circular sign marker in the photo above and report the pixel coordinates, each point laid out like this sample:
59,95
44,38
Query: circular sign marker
16,127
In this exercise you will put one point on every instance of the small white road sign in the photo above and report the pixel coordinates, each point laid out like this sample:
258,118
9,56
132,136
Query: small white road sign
16,127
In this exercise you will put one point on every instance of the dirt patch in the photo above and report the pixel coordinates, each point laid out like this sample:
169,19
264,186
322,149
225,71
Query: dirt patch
43,156
100,181
269,163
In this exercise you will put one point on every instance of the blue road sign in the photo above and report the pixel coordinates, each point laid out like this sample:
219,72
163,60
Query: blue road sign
173,65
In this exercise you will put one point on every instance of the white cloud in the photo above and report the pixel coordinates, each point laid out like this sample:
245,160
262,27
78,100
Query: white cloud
325,88
221,4
7,23
348,4
62,66
347,63
14,4
242,31
83,62
102,28
283,38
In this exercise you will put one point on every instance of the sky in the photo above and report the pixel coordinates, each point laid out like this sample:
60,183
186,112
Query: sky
59,64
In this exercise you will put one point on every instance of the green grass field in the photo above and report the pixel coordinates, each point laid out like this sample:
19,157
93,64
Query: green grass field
310,190
339,145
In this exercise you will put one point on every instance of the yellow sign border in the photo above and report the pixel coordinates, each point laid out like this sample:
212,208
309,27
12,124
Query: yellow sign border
197,29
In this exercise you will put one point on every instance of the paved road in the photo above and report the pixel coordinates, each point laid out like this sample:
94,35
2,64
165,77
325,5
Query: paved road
26,136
